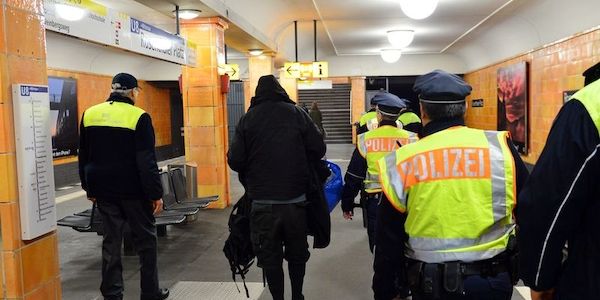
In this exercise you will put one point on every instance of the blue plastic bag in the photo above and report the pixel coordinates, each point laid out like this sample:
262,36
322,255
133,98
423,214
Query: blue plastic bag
333,186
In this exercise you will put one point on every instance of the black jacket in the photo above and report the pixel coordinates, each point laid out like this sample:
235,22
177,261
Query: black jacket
119,163
390,235
561,203
273,145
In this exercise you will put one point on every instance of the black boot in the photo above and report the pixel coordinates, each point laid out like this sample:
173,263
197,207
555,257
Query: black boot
297,278
275,281
161,295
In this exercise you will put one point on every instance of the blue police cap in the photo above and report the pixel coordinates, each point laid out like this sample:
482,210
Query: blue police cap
441,87
389,103
592,74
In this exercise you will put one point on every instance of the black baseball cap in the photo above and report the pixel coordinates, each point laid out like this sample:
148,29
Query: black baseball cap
592,74
124,81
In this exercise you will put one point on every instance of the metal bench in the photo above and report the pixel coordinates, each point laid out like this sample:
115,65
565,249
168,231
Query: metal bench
181,194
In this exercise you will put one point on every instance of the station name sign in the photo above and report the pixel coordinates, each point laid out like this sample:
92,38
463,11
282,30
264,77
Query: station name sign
91,21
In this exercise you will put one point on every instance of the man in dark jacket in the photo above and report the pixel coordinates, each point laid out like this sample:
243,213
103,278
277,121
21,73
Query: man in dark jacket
560,204
117,168
274,143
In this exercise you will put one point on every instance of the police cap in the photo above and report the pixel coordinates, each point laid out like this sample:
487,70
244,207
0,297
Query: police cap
441,87
124,81
389,104
592,74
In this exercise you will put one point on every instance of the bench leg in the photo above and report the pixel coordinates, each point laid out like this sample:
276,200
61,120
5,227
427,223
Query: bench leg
161,230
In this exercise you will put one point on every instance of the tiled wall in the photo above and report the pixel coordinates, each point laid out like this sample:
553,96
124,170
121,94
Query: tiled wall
93,89
552,70
29,270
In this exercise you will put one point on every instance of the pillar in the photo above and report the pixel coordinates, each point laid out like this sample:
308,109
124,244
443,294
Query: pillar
205,109
357,95
290,85
29,270
258,66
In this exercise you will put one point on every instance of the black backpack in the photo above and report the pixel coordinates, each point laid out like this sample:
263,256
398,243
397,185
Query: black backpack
238,246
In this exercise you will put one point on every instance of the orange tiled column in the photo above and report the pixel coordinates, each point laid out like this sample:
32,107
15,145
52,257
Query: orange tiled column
29,270
290,85
357,94
258,66
205,109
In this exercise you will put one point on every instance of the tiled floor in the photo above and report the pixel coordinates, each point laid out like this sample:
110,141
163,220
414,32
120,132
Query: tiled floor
193,252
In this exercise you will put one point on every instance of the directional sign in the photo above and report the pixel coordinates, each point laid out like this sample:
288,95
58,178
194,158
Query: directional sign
304,70
233,70
320,69
292,70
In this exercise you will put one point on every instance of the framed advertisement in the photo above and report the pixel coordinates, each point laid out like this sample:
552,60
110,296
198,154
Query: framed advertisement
63,116
513,103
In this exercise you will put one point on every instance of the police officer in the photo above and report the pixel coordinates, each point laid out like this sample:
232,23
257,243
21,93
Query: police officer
410,120
560,203
447,210
117,168
368,121
371,146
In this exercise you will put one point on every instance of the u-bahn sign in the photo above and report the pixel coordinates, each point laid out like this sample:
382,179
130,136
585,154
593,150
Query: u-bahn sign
91,21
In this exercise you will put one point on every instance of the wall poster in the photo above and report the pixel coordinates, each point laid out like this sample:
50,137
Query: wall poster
513,103
63,116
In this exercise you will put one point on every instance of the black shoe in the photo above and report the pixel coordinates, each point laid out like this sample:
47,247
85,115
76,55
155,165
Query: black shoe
161,295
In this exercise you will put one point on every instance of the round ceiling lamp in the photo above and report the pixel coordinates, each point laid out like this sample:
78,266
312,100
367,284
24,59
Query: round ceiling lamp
400,38
187,14
69,12
255,52
391,56
418,9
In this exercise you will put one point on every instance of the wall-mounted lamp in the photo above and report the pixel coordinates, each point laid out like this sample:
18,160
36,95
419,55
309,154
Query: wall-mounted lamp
418,9
187,14
69,12
255,52
391,55
400,38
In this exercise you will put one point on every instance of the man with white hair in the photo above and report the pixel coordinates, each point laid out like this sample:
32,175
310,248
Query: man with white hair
118,171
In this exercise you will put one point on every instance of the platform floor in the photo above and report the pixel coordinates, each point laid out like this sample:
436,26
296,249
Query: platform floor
191,258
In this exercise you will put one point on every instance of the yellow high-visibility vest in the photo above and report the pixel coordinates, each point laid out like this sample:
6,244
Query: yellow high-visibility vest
113,114
589,96
409,117
457,187
369,119
375,144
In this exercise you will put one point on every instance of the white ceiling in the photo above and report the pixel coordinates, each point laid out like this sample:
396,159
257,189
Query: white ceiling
461,35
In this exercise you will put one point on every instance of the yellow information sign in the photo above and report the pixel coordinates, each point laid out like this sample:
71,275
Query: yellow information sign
233,70
304,70
292,70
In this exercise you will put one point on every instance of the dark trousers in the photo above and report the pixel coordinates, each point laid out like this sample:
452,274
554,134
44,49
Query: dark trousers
477,287
279,231
371,206
138,215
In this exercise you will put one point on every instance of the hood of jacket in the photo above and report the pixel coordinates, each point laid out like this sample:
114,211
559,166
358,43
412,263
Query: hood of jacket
269,90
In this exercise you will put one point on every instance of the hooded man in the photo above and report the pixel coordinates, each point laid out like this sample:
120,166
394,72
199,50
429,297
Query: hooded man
274,143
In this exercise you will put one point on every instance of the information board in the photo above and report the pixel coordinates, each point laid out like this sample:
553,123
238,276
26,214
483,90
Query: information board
33,141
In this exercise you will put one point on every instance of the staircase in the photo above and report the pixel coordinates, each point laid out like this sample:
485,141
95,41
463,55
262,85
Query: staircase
334,105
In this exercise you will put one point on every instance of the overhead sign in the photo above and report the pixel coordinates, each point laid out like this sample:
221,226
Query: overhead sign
233,70
292,69
91,21
304,70
35,173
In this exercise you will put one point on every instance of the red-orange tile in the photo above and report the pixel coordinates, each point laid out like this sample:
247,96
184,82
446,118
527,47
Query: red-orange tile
13,274
11,226
27,70
8,173
201,96
45,292
40,262
30,38
32,6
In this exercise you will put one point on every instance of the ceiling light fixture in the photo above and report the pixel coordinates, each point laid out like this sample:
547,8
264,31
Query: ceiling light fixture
255,52
187,14
400,38
391,56
69,12
418,9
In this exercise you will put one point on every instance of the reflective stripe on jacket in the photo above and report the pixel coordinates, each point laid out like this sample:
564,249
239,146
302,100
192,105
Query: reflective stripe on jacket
457,187
375,144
